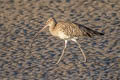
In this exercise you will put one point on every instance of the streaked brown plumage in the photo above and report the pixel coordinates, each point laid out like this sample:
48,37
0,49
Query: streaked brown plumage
69,31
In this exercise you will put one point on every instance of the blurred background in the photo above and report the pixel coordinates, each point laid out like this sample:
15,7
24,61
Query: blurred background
21,19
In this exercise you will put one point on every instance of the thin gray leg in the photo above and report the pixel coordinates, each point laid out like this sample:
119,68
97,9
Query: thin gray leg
62,52
85,59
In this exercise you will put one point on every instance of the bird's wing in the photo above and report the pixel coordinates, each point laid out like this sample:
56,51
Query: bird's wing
76,30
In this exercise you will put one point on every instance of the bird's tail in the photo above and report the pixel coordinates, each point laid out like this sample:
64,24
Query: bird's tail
90,33
85,31
98,33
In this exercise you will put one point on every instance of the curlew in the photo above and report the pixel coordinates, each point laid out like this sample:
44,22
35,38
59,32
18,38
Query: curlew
68,31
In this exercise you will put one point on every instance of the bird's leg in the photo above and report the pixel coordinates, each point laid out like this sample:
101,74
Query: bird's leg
62,52
85,59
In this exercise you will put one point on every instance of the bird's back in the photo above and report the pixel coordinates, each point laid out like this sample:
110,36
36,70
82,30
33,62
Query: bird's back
71,30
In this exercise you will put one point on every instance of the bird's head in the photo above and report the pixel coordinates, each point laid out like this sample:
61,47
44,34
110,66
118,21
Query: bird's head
50,22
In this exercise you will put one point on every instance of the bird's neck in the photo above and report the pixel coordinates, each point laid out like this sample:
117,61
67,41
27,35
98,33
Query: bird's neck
52,26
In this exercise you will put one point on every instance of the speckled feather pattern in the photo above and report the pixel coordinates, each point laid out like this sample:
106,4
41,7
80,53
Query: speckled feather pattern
72,30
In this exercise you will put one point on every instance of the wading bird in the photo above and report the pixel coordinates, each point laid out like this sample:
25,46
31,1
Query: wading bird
68,31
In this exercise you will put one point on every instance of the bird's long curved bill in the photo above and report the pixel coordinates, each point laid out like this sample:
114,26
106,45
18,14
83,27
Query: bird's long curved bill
36,36
39,31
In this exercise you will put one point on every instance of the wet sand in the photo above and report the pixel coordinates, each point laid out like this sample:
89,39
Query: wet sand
21,19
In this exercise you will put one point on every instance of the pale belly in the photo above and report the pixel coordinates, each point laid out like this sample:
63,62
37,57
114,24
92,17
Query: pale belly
63,36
